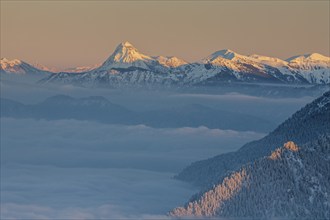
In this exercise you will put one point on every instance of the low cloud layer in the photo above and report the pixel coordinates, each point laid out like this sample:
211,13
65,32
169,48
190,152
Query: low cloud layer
80,169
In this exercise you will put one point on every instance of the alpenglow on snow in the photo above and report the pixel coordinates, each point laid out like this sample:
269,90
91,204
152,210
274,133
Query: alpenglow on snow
128,66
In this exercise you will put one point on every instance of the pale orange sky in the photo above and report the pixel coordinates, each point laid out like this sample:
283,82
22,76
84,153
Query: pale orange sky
77,33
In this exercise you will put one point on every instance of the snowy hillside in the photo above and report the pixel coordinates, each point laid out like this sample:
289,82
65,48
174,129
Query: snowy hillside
261,180
291,182
305,125
129,67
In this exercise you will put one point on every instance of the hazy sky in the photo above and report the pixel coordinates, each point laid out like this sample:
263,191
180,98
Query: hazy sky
77,33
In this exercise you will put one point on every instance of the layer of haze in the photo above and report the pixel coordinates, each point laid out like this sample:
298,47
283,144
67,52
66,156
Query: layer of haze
77,33
74,169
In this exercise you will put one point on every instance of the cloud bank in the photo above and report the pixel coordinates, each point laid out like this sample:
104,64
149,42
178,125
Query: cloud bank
79,169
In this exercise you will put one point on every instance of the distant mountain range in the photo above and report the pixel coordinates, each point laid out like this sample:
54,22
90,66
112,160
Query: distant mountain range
128,67
97,108
263,180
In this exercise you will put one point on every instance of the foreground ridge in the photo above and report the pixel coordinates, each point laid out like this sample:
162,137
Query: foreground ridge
291,182
263,181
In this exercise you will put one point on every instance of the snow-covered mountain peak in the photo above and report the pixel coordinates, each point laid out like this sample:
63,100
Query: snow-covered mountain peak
226,58
12,66
227,54
272,61
317,56
122,47
5,63
126,44
18,68
127,53
312,62
170,61
124,56
309,57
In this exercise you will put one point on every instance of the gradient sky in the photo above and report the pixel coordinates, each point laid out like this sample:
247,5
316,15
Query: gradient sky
77,33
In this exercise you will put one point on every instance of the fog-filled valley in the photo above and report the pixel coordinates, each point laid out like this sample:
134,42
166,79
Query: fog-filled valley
61,157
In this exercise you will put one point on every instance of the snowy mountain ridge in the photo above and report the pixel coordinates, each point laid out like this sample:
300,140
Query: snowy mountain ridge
126,66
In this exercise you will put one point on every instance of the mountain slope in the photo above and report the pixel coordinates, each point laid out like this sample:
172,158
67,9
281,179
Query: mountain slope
291,182
305,125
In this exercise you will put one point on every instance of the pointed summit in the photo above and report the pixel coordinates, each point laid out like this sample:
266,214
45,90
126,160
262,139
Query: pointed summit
126,44
126,55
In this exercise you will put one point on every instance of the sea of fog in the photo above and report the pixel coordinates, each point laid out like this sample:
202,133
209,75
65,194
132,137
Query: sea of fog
68,169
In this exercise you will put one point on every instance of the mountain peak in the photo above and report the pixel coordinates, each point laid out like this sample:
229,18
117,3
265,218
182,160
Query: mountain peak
11,66
170,61
126,44
223,54
5,61
272,61
309,57
126,55
315,56
226,53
